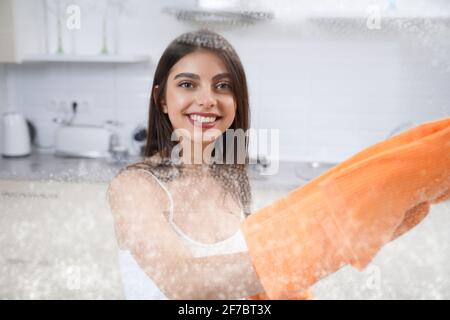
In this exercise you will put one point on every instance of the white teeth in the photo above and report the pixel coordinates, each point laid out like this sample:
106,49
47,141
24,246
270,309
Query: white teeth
198,118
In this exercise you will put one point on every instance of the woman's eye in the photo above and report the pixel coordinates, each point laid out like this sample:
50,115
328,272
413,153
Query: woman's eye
189,85
224,85
185,83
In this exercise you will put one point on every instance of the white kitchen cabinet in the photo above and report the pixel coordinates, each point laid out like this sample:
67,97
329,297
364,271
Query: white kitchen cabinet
21,29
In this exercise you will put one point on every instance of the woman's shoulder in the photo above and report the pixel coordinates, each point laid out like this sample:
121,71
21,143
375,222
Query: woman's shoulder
135,197
137,178
133,175
147,165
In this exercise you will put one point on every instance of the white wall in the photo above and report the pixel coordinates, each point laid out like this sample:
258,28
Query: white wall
332,87
3,97
3,90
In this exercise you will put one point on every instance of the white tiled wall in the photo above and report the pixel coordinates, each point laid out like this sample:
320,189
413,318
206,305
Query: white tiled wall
330,94
103,92
3,98
3,89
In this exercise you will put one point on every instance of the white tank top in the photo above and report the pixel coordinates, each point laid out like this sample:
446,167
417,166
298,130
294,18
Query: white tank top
137,285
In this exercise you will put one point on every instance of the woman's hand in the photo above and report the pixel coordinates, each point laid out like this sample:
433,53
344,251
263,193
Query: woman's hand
346,215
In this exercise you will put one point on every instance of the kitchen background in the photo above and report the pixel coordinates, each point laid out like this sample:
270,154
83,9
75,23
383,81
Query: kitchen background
333,76
328,81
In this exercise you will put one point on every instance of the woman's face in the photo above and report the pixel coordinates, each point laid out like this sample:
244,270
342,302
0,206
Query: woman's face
199,98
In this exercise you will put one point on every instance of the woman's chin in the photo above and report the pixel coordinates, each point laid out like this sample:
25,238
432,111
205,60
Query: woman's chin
205,136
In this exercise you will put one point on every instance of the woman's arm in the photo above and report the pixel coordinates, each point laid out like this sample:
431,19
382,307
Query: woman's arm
346,215
137,203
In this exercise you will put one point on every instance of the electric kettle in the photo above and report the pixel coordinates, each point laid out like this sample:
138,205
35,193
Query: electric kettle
15,136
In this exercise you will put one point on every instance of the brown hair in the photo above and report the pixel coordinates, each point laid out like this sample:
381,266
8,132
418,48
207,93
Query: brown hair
233,177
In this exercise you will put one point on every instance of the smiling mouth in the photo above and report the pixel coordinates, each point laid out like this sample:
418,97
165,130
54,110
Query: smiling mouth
203,122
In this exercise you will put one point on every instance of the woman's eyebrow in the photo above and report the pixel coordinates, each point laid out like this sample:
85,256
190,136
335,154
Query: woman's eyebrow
221,75
197,77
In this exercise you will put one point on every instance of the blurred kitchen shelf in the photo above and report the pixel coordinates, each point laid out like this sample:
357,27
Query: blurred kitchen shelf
86,58
389,17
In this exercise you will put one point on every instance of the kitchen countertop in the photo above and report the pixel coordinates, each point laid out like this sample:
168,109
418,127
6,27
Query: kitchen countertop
48,243
49,167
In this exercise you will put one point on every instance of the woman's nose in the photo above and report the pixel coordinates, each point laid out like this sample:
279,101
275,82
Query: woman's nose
207,98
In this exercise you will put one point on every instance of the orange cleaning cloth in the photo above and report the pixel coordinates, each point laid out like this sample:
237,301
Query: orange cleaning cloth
348,213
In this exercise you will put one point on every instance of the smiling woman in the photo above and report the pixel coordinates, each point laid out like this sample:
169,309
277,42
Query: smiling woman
201,99
177,222
199,83
204,119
